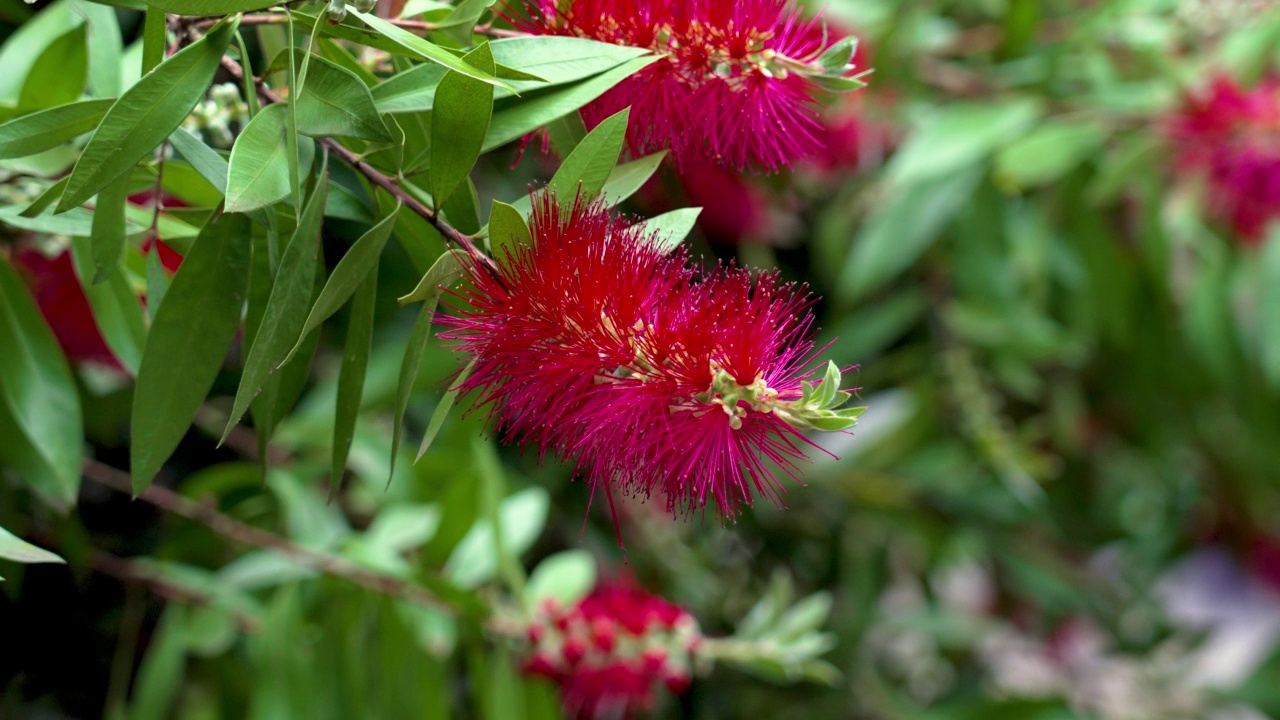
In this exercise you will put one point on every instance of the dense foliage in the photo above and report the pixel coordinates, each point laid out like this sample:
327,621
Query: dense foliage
502,360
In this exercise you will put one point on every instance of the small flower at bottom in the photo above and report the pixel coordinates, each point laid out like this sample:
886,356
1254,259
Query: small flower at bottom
650,643
1231,136
597,346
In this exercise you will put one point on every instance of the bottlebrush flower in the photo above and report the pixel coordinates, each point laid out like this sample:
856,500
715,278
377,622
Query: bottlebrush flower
598,346
608,652
735,82
1231,136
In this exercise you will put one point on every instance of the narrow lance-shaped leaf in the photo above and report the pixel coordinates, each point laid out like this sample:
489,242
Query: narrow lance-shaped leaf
441,413
355,365
38,391
447,268
108,228
459,124
671,228
348,275
287,308
426,49
36,132
515,120
584,173
209,7
16,549
105,48
188,340
147,114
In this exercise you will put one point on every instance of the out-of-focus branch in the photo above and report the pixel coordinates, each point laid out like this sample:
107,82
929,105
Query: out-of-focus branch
132,572
232,529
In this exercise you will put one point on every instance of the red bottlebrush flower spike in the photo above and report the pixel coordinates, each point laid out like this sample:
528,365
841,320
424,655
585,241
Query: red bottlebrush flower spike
1232,136
597,346
649,643
735,83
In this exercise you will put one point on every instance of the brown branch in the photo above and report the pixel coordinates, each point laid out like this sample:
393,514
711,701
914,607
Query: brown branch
377,177
129,571
245,534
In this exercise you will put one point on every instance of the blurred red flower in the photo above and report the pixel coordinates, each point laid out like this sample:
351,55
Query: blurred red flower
1231,136
609,651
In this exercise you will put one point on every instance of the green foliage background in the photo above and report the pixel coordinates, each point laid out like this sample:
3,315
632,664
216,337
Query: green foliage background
1073,375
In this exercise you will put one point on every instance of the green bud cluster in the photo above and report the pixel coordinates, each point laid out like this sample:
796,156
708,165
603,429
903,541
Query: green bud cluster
818,407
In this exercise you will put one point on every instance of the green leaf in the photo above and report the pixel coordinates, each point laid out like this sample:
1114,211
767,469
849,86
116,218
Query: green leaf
206,161
159,680
350,273
459,124
209,7
16,549
670,229
507,231
528,114
426,50
40,131
335,102
957,136
108,232
625,179
258,174
355,364
446,269
155,37
287,307
901,229
1269,309
556,60
21,49
583,174
188,340
409,367
59,74
77,223
116,308
475,559
1046,153
441,413
147,114
565,577
38,391
105,48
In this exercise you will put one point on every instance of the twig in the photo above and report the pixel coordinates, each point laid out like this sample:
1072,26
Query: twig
132,572
377,177
244,534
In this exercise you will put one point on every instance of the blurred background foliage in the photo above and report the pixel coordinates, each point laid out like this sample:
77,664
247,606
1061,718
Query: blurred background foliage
1061,503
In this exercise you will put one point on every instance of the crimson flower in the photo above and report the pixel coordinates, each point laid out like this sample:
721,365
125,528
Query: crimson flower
735,82
609,651
62,301
1231,136
597,345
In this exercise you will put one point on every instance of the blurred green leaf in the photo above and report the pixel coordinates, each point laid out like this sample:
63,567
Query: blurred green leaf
39,396
39,131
